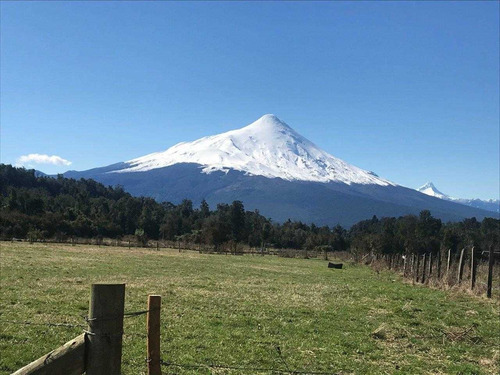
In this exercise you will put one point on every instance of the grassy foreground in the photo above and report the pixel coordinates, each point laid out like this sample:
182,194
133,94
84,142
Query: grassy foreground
236,310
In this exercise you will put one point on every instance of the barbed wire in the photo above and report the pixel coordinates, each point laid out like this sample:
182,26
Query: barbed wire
243,368
26,322
124,315
76,325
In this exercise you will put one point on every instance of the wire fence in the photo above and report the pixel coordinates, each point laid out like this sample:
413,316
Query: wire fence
169,364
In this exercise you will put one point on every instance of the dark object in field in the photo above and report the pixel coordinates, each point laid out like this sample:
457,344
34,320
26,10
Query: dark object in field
335,265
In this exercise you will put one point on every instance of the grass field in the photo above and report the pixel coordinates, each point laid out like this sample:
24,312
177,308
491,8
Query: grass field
236,310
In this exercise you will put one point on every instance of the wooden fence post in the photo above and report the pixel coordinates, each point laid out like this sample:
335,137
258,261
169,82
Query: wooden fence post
448,263
461,266
153,330
423,268
405,263
473,269
429,273
68,359
104,349
417,266
438,271
490,273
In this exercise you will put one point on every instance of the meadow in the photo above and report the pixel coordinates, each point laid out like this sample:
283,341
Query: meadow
247,311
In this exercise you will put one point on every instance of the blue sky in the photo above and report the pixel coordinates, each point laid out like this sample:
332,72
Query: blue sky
408,90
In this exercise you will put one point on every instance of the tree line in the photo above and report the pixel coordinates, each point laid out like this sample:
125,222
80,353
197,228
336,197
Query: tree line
45,207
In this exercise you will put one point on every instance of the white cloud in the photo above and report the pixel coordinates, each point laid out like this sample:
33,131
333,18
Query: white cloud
42,159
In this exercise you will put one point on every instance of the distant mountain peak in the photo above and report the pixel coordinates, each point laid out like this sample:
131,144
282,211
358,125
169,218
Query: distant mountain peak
430,189
491,204
267,147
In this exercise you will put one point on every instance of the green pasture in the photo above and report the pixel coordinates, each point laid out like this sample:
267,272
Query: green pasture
246,311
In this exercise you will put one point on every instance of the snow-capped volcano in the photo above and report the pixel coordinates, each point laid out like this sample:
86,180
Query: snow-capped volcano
270,167
268,147
431,190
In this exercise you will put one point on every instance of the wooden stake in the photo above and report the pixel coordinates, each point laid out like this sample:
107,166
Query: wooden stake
490,273
423,268
439,264
473,269
153,330
429,273
448,263
461,266
405,263
104,349
417,268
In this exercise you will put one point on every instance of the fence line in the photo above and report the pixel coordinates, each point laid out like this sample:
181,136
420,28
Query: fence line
419,268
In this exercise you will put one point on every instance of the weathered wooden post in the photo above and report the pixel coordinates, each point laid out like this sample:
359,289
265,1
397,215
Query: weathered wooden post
473,269
326,254
417,266
68,359
153,331
424,267
129,244
438,270
104,349
461,266
490,272
405,263
429,273
157,246
448,263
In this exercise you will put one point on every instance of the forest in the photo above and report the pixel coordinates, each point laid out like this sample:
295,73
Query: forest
42,207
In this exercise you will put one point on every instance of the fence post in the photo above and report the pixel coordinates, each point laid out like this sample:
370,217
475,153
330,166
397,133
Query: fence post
423,268
448,263
68,359
473,269
104,350
438,271
153,330
405,263
490,273
417,266
429,273
461,266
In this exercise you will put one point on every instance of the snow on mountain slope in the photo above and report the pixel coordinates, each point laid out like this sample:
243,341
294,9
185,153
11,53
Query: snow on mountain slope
431,190
268,147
